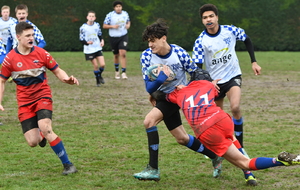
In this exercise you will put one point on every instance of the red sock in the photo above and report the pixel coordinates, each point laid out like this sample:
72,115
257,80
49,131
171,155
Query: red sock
42,134
237,144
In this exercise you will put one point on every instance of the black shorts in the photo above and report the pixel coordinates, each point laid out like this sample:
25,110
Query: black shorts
93,55
171,115
117,43
32,123
225,87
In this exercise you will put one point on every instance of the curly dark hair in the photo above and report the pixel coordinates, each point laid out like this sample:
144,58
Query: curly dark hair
156,30
208,7
115,3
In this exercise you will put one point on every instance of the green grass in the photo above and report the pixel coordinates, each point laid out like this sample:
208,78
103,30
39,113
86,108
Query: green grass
102,129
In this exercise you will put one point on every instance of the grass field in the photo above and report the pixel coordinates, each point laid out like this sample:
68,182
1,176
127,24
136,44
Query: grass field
102,129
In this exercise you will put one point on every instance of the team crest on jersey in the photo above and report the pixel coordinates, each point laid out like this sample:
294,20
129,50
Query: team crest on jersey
19,64
227,40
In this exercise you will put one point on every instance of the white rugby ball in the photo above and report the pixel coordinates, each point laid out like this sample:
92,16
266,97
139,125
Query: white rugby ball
153,72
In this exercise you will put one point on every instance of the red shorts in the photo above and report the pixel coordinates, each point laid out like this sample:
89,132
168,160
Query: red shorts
27,112
218,137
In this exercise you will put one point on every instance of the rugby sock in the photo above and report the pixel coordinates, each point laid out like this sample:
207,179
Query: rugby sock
123,70
195,145
41,134
153,142
97,73
59,149
239,147
101,69
263,163
116,67
238,129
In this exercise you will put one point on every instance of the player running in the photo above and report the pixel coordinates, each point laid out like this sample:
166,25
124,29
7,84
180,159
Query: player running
27,65
215,48
91,37
118,22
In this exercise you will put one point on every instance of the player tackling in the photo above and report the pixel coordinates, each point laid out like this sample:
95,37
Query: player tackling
214,127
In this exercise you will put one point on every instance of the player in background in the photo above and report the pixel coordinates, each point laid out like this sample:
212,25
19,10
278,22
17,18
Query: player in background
215,47
160,51
214,128
5,22
2,52
91,37
22,14
27,65
118,22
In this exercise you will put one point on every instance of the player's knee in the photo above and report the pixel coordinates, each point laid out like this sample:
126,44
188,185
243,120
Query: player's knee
32,143
235,109
148,123
183,140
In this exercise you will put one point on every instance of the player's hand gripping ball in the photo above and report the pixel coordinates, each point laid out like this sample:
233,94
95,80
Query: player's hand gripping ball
154,70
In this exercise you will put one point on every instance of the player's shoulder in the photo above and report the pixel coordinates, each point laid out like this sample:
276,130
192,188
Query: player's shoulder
125,12
230,27
11,55
84,25
147,53
40,50
111,13
31,23
177,48
13,19
97,24
199,39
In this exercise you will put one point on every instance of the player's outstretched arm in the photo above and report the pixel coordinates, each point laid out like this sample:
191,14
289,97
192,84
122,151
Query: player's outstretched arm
63,76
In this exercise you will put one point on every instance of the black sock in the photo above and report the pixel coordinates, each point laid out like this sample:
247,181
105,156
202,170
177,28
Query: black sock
195,145
153,143
116,67
238,130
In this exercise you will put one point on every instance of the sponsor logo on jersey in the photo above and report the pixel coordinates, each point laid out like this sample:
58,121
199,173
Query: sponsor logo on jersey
223,59
36,61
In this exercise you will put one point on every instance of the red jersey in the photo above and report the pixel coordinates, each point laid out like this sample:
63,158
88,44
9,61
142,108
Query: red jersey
197,103
29,73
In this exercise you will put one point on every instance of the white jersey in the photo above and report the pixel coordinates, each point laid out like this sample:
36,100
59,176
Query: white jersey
37,34
217,52
90,33
4,26
178,59
2,49
113,18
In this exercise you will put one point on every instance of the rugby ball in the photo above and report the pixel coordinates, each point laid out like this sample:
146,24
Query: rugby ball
153,72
